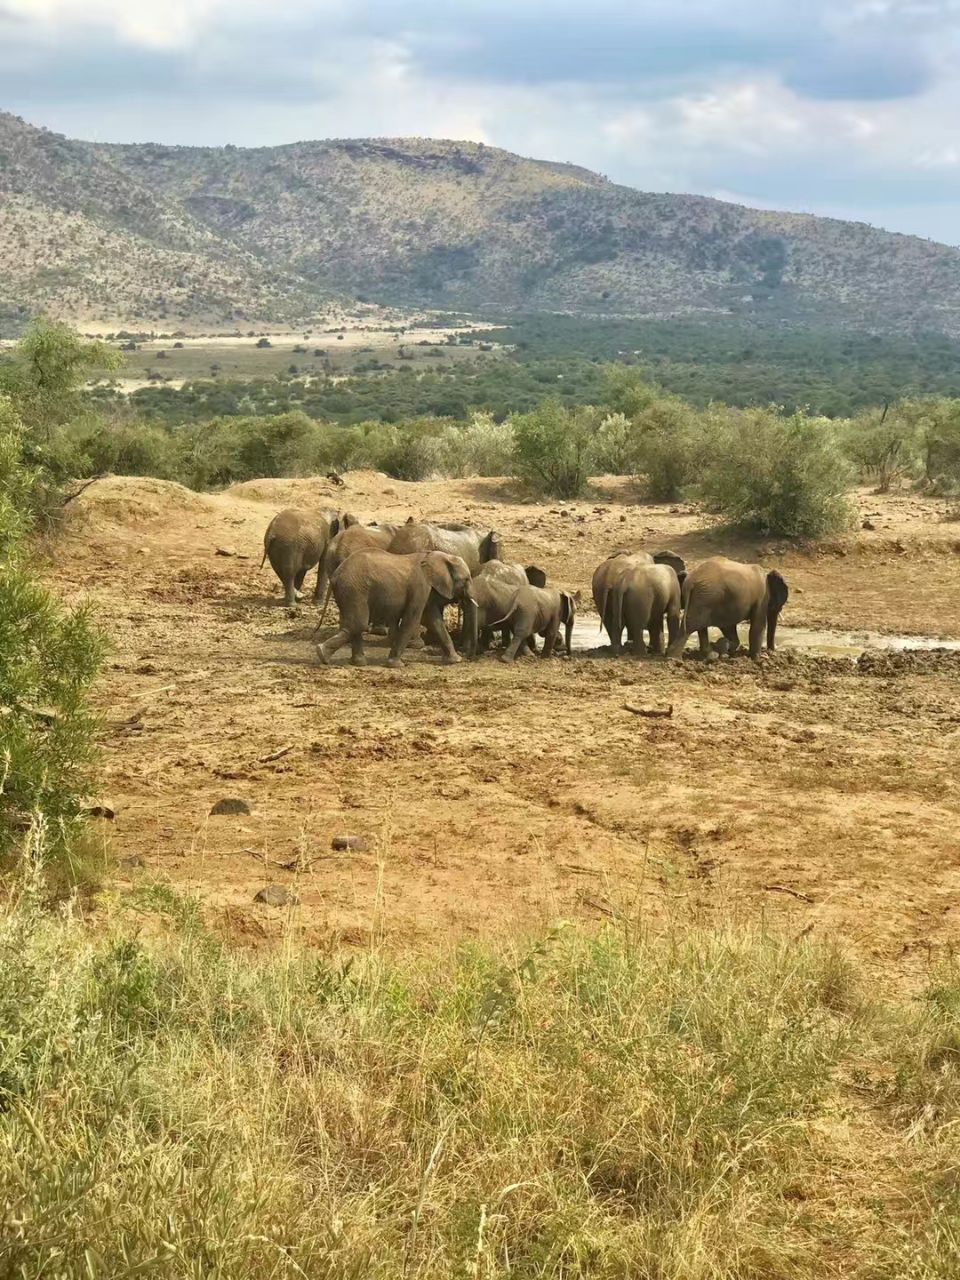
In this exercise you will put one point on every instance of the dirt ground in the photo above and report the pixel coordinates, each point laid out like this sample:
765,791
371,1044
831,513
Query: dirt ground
819,792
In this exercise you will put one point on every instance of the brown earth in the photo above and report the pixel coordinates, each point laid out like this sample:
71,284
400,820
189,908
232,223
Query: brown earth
820,792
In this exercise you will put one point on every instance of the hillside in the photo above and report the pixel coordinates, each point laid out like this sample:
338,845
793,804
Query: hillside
269,231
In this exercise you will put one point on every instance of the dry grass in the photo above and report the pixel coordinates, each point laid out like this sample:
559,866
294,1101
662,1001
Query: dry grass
711,1105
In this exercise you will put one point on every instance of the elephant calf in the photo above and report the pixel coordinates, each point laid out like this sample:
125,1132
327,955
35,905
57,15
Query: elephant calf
723,593
539,611
640,600
378,588
493,591
295,541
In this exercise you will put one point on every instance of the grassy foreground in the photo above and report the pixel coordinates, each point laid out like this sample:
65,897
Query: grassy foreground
696,1106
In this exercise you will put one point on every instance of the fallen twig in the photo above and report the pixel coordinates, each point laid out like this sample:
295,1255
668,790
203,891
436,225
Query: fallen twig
576,867
651,713
77,492
277,755
794,893
597,906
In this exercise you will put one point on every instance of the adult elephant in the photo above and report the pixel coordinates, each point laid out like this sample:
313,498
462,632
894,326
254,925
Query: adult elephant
295,541
616,566
641,599
492,594
378,588
472,545
723,593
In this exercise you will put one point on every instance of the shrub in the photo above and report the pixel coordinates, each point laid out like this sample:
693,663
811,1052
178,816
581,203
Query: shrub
937,423
48,659
552,448
481,448
776,474
884,446
669,448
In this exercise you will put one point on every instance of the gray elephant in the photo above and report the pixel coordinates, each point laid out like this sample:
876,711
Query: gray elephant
472,545
723,593
295,541
640,600
539,611
378,588
606,575
493,591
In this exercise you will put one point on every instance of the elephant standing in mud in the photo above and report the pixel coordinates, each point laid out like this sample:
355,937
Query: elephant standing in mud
378,588
723,593
492,595
472,545
640,600
295,541
606,576
539,611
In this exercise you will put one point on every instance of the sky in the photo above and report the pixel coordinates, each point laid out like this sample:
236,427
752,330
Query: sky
848,108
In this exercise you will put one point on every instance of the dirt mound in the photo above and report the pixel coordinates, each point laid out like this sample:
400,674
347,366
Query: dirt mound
318,490
133,500
933,662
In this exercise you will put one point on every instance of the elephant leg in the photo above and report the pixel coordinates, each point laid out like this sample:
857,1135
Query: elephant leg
656,634
298,582
516,640
357,656
330,646
732,637
703,635
757,626
437,628
406,629
550,638
290,595
320,589
616,640
673,630
531,643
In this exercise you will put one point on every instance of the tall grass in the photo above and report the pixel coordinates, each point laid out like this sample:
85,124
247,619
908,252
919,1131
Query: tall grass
583,1105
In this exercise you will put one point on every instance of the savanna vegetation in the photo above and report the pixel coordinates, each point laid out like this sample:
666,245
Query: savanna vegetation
721,1103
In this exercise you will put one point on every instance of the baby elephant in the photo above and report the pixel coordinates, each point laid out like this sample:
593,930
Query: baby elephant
493,591
642,597
378,588
539,611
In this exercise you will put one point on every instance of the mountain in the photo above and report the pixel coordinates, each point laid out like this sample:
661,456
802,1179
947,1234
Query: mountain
269,233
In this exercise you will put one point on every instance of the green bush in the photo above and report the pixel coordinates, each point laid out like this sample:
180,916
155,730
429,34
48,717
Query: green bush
482,447
670,447
552,451
884,446
936,421
776,474
48,658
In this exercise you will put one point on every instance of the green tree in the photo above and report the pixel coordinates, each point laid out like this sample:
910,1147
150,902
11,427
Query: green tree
50,366
552,448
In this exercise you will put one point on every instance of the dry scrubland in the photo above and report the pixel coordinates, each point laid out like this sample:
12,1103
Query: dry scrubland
579,1007
493,799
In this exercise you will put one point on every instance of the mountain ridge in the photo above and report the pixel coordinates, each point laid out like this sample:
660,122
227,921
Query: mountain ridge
274,233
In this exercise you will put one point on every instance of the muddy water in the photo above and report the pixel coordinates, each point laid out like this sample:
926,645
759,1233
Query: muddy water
822,643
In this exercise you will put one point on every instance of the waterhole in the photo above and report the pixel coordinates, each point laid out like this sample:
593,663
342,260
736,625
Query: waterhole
821,643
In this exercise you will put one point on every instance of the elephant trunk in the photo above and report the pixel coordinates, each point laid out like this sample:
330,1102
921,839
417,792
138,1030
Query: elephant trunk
772,616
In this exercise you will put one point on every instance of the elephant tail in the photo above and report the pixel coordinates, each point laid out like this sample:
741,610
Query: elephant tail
507,616
323,611
602,606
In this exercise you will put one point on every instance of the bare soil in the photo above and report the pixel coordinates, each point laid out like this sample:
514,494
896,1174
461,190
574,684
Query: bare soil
820,792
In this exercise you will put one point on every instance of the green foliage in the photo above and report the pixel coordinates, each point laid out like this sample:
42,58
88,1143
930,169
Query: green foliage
777,474
552,448
48,659
884,446
936,422
50,366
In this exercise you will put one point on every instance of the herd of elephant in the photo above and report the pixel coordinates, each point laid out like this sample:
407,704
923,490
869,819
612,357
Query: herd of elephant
397,578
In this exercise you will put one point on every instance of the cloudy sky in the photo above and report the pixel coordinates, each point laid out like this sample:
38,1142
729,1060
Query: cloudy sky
843,107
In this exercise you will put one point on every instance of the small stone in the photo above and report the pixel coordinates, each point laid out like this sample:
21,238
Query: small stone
623,519
275,895
355,844
229,805
226,551
868,524
674,511
100,810
132,864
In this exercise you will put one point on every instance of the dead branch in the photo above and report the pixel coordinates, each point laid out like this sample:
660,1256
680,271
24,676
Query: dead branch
650,713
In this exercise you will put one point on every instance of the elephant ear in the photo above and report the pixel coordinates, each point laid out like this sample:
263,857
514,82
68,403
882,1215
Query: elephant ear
438,571
348,520
682,577
535,576
777,591
491,548
676,563
334,526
